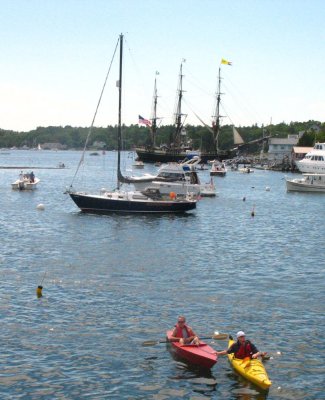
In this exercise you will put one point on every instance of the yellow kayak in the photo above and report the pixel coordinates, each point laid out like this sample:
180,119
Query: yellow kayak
251,369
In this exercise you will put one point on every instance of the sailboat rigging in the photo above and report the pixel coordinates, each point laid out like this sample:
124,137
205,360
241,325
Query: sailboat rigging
149,200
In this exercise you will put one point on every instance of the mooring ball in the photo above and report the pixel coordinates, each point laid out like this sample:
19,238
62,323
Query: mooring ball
40,207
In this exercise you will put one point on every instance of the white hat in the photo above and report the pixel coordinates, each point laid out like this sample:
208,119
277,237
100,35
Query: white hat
240,333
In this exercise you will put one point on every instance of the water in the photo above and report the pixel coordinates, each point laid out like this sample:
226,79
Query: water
112,282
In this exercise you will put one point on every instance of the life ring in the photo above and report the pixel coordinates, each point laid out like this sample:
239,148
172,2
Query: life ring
172,195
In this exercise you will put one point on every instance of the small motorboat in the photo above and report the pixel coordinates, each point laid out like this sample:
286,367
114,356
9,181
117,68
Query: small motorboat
218,169
201,355
26,181
245,170
251,369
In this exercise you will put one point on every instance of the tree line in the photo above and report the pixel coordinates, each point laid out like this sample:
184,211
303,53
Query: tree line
134,135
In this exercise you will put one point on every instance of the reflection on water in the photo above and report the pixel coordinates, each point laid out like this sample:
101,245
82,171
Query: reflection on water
113,282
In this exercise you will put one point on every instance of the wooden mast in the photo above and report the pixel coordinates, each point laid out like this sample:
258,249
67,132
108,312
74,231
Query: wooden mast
216,120
176,139
154,114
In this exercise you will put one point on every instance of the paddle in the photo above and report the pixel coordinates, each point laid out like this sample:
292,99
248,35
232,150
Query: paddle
216,336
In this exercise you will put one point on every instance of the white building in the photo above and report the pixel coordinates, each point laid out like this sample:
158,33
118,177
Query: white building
281,149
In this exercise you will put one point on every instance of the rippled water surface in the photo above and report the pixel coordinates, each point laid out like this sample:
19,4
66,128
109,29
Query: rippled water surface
112,282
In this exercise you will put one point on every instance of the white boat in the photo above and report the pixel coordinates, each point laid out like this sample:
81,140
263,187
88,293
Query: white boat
25,181
218,169
176,178
309,183
138,164
245,170
314,161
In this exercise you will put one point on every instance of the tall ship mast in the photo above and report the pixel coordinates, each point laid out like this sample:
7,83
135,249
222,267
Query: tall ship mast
153,128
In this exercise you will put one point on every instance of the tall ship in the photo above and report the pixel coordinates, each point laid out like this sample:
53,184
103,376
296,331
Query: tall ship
179,146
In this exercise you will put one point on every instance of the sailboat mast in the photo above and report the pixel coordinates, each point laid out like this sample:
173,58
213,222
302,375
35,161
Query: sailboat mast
119,128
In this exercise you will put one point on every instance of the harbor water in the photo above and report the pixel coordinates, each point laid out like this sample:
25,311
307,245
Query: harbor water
112,282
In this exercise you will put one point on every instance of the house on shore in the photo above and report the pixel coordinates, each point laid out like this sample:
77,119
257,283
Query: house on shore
280,149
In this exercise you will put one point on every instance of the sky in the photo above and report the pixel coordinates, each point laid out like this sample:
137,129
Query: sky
55,55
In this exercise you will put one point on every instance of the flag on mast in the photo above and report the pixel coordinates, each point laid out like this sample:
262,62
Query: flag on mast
143,121
223,61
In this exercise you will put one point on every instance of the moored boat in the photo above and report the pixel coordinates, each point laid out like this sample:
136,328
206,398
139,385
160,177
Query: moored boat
218,169
150,200
251,369
309,183
245,170
26,181
201,355
314,161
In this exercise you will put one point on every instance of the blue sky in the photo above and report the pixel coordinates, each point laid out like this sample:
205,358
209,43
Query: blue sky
55,55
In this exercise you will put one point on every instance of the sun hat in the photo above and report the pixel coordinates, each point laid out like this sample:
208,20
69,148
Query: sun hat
240,333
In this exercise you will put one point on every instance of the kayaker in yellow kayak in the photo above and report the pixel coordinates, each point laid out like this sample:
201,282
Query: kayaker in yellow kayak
184,334
242,348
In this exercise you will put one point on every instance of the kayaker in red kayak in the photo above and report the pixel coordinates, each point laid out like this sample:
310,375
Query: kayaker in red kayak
242,348
184,334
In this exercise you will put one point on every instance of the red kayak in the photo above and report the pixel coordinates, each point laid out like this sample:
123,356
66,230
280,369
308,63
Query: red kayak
202,355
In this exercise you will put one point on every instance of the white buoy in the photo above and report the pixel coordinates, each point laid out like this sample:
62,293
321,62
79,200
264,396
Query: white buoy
278,352
41,207
267,188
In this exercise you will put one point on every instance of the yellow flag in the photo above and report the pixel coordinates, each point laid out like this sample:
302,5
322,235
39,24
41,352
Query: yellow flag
223,61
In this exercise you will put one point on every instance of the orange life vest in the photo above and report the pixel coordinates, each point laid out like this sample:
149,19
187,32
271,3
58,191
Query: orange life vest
245,350
179,331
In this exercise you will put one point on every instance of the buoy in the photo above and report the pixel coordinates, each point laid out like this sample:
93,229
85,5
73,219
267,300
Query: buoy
253,212
172,195
41,207
244,198
267,188
39,291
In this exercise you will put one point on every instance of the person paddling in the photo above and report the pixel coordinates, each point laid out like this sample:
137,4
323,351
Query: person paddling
184,334
242,348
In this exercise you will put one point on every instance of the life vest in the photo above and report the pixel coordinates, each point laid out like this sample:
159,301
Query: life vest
179,331
245,350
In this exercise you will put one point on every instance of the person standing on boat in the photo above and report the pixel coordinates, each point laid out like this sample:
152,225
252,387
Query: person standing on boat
242,348
32,177
184,334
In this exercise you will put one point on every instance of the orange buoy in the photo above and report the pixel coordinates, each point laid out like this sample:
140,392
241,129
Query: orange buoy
172,195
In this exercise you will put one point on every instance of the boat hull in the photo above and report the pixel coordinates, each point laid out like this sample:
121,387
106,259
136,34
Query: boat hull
251,369
312,183
104,204
203,355
301,187
166,156
25,184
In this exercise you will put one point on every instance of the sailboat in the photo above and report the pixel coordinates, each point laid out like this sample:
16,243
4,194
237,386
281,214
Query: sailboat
149,200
